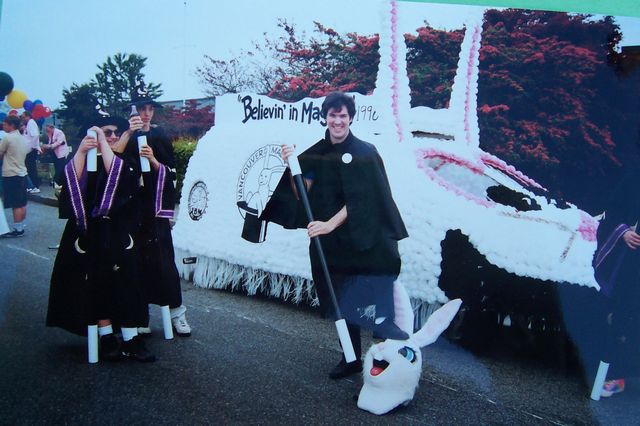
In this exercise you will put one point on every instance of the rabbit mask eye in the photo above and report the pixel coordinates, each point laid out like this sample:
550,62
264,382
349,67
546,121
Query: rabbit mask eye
408,353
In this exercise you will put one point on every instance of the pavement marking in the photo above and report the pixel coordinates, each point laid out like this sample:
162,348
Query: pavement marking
27,251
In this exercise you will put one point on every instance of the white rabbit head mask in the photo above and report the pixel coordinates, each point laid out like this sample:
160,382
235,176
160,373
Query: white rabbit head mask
392,368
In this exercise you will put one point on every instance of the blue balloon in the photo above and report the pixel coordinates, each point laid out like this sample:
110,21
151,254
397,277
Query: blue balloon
28,105
40,121
2,115
37,102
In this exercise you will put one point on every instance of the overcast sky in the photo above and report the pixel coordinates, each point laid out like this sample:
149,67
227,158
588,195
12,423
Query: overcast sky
48,45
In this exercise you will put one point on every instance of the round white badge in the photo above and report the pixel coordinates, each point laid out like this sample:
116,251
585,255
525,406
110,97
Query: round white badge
346,158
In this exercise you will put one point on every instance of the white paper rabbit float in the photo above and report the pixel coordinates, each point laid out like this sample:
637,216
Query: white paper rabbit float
392,368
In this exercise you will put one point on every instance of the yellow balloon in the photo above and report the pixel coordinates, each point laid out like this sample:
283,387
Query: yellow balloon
16,98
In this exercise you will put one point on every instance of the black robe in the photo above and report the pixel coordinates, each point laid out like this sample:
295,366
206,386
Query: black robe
362,253
617,270
157,197
96,271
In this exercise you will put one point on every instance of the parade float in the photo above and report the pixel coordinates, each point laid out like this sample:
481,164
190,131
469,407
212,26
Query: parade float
467,211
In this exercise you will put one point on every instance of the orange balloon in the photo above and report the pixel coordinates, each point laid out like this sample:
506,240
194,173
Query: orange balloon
16,98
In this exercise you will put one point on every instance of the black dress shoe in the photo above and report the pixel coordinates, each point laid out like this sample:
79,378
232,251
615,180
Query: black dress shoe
110,347
344,369
389,330
136,349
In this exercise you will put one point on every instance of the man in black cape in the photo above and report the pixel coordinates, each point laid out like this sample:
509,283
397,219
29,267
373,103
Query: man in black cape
357,221
617,270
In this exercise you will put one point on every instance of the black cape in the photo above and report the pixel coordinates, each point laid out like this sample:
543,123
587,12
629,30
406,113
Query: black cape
358,169
157,197
349,174
96,271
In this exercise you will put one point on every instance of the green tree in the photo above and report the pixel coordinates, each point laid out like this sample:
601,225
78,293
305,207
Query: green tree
118,77
77,108
111,88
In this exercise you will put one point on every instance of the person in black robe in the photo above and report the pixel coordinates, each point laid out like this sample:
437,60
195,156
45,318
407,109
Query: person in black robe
95,279
617,270
157,199
358,223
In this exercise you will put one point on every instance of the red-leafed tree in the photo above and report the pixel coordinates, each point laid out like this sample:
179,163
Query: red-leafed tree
551,104
291,67
324,63
190,121
432,57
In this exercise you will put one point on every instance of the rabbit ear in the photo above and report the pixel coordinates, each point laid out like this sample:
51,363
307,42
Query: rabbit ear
402,306
437,323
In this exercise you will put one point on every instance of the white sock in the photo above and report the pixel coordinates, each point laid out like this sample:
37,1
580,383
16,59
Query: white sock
380,320
129,333
103,331
176,312
19,226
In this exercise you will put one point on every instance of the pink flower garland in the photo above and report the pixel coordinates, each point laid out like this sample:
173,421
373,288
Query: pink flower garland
394,68
423,154
493,161
588,227
468,94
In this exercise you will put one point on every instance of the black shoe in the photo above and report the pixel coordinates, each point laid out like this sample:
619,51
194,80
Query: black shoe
13,234
110,348
135,349
344,369
389,330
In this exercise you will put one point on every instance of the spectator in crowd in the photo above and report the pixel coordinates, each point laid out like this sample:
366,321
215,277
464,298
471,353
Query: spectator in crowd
57,143
13,150
32,135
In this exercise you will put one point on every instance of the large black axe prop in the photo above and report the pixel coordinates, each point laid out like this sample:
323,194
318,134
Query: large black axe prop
341,325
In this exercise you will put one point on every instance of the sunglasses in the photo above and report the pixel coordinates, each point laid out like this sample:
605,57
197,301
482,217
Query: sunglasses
108,133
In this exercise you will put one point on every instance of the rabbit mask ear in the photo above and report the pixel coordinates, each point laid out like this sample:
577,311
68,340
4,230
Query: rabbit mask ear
437,323
402,307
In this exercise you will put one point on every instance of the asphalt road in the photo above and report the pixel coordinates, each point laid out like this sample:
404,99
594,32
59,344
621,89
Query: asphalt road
251,360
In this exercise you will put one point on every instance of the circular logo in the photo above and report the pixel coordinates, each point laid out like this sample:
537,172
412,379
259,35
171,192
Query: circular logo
197,202
347,158
258,179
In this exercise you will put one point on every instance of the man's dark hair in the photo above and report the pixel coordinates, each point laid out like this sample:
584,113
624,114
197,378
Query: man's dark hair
336,100
27,113
13,120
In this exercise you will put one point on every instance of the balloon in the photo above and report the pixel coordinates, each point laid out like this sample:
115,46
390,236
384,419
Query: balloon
37,111
6,84
16,98
37,102
28,105
13,112
2,115
47,112
2,98
40,121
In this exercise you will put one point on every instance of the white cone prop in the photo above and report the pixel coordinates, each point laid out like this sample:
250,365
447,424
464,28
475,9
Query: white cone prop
92,343
601,376
166,322
92,154
345,341
144,161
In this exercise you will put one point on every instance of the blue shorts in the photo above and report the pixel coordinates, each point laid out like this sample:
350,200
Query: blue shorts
15,192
